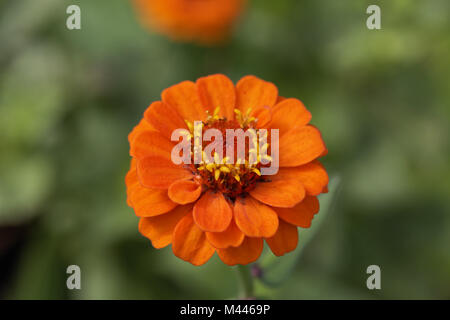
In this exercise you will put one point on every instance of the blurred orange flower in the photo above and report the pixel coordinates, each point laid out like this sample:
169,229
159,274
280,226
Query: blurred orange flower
204,21
231,208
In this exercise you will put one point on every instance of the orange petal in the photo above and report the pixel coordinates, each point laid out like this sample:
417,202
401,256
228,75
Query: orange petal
164,118
280,190
130,179
159,229
157,172
141,127
212,212
248,252
231,237
253,92
150,202
146,202
184,191
285,239
263,115
313,177
300,145
151,143
189,242
302,214
288,114
217,91
254,218
183,97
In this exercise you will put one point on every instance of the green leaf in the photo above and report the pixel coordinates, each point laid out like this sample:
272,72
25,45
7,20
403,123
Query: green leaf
274,269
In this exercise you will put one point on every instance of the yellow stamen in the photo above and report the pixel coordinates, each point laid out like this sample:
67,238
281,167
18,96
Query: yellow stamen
216,158
190,125
255,170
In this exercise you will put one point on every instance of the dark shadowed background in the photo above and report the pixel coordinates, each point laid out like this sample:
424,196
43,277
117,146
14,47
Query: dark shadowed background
381,98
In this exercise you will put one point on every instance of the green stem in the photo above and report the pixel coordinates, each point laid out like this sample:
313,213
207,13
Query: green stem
245,281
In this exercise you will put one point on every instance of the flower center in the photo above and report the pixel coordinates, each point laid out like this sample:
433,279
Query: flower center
232,178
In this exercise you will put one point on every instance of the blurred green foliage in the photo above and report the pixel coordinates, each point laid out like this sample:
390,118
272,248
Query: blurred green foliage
68,99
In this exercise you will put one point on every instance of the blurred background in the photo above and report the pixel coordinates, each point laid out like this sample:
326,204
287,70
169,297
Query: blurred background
381,98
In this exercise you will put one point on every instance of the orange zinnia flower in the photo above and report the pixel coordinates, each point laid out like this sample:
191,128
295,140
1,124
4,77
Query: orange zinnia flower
205,21
228,209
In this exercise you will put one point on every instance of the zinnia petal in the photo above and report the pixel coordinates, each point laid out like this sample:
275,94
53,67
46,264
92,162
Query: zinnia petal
159,229
157,172
288,114
263,115
248,252
183,97
189,242
253,92
146,202
143,126
164,118
231,237
212,212
151,143
280,190
130,180
184,191
313,177
254,218
217,91
300,145
302,214
285,239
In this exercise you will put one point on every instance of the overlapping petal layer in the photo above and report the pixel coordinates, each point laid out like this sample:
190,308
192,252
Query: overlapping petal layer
178,206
